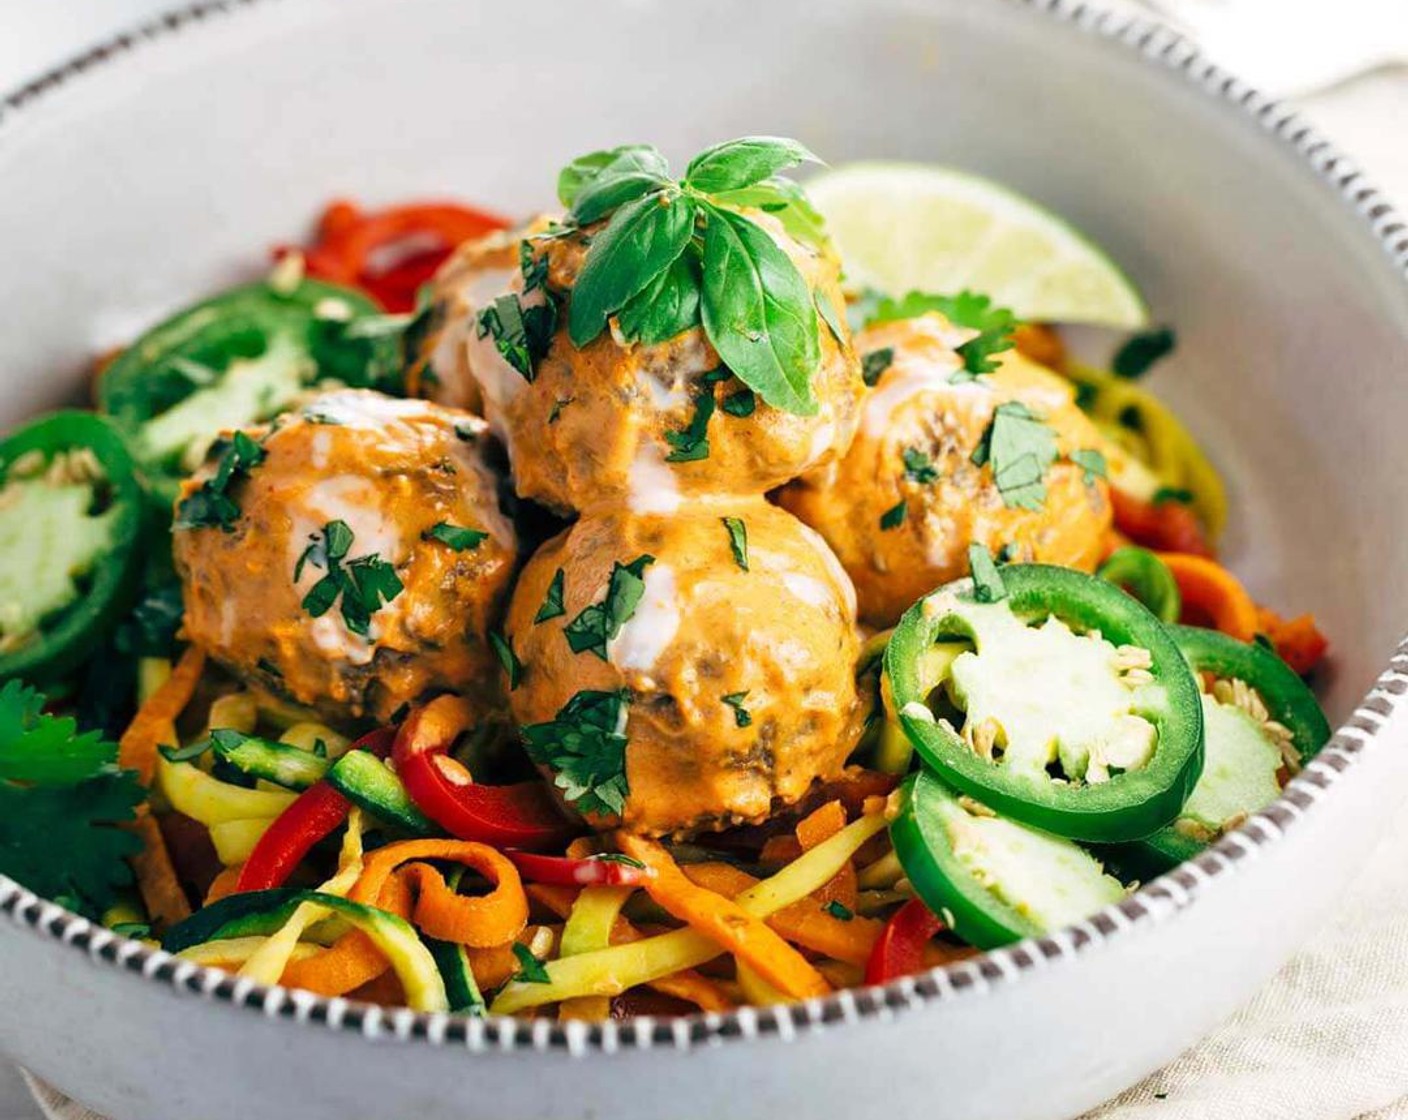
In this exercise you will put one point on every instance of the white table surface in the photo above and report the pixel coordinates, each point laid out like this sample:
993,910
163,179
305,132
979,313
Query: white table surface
1360,116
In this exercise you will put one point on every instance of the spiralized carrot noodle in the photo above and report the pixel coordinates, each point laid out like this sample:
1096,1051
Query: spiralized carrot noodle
612,971
480,923
155,721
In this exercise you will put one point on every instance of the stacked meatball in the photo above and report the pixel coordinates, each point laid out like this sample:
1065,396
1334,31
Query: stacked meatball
726,623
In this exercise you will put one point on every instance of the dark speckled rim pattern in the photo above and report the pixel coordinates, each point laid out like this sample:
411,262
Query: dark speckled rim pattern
1155,902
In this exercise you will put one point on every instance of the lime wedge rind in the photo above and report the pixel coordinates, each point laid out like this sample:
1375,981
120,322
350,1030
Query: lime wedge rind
901,226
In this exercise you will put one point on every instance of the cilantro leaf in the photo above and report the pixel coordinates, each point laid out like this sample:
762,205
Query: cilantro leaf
41,749
740,163
210,505
522,335
691,443
457,537
741,404
503,650
894,517
987,580
874,364
737,540
1019,447
365,584
530,968
1092,462
552,603
1138,354
585,748
742,717
61,796
599,623
557,406
839,910
995,325
918,467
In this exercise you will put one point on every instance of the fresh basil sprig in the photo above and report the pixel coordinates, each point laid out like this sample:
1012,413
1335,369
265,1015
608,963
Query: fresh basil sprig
680,253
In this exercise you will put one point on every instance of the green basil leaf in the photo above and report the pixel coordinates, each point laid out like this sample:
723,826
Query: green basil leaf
735,164
668,306
634,172
584,169
641,241
788,203
758,312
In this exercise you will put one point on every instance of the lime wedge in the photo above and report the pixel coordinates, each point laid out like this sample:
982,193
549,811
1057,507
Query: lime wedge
901,226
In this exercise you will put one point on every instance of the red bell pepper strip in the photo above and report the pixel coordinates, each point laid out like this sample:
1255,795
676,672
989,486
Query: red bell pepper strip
519,816
594,871
314,814
899,950
1162,526
350,241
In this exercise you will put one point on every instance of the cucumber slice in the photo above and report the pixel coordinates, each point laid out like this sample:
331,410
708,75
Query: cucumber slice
992,880
461,989
366,781
1241,759
284,765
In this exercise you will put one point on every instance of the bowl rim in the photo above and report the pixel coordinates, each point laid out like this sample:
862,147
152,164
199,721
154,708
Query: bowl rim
1153,903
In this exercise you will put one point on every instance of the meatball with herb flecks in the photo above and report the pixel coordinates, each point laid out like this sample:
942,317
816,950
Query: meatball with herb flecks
351,557
688,672
945,458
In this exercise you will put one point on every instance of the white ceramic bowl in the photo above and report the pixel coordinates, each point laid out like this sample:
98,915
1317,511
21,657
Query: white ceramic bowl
162,165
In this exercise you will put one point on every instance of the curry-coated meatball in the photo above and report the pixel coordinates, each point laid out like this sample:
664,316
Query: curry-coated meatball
718,646
943,460
626,424
363,562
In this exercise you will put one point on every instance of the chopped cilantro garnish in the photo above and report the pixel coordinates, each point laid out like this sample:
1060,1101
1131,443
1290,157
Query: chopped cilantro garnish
691,443
1092,462
876,363
365,584
534,267
918,467
552,603
503,650
741,404
894,517
967,309
211,505
737,540
1172,494
456,537
585,748
521,334
987,580
61,798
530,968
742,717
839,910
598,623
1135,358
1019,447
